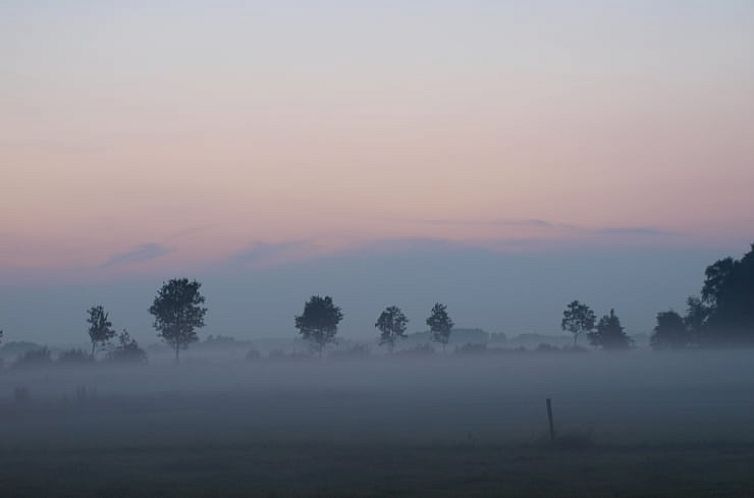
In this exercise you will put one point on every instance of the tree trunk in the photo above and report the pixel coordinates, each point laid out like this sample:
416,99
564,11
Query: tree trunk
177,350
94,344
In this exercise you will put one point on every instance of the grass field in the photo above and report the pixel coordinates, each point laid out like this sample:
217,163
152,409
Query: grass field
635,425
380,470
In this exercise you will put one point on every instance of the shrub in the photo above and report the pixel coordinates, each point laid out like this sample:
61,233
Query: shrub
75,357
422,350
471,349
281,355
358,351
127,351
34,358
253,355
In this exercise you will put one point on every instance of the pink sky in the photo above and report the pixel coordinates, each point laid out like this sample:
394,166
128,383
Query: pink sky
201,132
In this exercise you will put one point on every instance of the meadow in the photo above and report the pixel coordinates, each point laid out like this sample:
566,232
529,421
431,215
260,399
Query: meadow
633,424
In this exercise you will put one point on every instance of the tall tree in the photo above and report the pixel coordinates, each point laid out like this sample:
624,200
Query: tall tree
319,322
609,333
578,319
670,332
728,295
178,313
392,326
100,327
440,324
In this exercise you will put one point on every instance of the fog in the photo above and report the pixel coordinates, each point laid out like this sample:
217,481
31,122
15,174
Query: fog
634,398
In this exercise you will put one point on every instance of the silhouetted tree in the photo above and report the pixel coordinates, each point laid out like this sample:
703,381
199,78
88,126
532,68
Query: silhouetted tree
100,327
697,314
609,333
670,332
440,324
728,295
319,322
178,312
578,319
128,350
392,326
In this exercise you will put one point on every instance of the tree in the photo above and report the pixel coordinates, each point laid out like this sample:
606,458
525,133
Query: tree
697,314
609,334
728,295
128,350
178,312
578,319
319,322
671,331
440,324
392,326
100,327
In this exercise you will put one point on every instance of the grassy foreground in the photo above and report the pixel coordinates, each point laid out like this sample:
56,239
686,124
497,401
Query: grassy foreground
274,470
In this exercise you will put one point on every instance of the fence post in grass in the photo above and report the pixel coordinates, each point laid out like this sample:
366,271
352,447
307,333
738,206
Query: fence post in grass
549,419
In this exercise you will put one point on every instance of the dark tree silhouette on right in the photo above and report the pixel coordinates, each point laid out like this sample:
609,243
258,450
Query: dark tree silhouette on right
697,314
100,327
178,312
609,334
440,324
319,323
578,319
670,332
392,326
728,300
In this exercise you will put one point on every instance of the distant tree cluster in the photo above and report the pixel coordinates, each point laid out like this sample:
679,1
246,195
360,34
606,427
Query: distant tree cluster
722,316
607,333
319,324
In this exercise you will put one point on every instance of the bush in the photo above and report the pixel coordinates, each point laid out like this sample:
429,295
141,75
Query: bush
280,355
75,357
358,351
253,355
34,358
127,351
471,349
422,350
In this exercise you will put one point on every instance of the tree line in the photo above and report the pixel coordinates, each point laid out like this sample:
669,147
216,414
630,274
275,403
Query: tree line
178,311
722,315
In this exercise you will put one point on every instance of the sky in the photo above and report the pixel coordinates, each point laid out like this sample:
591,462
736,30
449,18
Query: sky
281,149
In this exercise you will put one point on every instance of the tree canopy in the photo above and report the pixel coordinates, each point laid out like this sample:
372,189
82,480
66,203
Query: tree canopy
100,327
440,324
728,300
671,331
319,322
178,313
392,326
578,319
609,334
